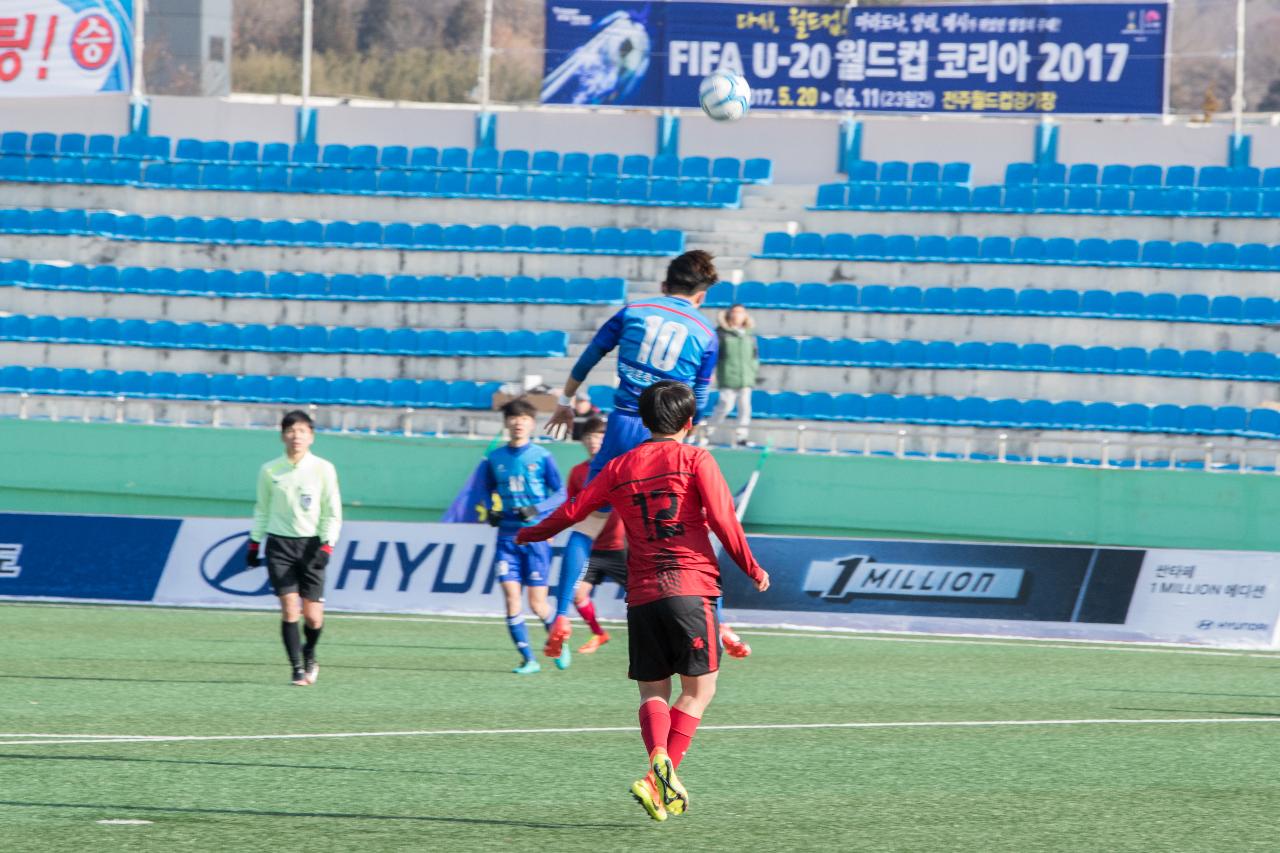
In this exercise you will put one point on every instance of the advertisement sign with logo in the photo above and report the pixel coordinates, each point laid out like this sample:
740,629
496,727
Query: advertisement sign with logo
101,557
65,47
991,59
1221,596
1216,597
377,566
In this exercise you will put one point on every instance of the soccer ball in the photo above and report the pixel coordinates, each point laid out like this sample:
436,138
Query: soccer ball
724,96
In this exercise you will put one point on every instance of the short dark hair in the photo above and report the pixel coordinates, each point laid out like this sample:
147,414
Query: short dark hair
297,416
591,426
667,406
691,273
517,408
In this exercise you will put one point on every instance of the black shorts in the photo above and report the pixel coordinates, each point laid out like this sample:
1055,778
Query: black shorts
291,565
673,636
607,565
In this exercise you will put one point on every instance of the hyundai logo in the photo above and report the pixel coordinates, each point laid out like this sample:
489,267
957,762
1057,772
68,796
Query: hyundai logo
223,568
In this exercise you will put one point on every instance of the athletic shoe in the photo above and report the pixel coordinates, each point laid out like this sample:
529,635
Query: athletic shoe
529,667
646,794
312,671
560,631
596,641
734,647
563,659
300,678
674,796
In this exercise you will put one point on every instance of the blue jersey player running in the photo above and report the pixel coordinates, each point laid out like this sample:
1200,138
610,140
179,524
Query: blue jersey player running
526,480
660,338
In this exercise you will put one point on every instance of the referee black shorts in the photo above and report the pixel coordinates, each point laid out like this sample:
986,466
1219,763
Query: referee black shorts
291,565
607,565
673,636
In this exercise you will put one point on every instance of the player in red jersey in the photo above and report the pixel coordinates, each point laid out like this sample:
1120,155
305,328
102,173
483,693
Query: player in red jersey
608,559
670,496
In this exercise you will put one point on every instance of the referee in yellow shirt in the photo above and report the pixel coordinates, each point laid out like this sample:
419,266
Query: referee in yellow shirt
299,511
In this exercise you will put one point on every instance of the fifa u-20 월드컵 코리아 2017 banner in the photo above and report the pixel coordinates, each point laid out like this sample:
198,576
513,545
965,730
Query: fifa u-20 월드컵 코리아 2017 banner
65,47
988,59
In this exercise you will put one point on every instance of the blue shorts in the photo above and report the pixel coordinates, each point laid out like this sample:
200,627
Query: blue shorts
525,564
623,432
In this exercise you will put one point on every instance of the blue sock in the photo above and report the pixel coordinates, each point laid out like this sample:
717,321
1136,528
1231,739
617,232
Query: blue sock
576,552
520,635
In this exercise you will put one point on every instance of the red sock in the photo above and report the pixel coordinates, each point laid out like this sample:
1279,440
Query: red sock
655,724
587,611
682,728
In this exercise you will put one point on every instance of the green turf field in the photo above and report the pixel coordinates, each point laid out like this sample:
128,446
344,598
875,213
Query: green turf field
450,770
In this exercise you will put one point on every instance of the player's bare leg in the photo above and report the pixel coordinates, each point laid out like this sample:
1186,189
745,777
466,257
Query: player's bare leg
290,613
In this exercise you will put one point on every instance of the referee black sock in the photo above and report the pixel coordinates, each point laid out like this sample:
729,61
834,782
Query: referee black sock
313,637
292,644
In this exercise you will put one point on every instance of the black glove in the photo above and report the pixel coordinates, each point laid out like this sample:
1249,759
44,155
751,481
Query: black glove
528,513
322,557
494,518
253,558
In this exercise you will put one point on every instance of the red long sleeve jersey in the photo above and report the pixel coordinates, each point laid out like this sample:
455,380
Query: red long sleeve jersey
611,537
669,496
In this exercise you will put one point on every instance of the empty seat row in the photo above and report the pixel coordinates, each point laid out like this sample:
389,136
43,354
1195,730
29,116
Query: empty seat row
400,182
396,182
1188,254
900,172
513,161
362,235
976,355
1033,301
1147,175
163,385
288,285
283,338
943,410
1117,201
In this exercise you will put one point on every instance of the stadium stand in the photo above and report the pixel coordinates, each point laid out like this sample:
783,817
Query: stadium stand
858,333
288,285
423,171
1082,188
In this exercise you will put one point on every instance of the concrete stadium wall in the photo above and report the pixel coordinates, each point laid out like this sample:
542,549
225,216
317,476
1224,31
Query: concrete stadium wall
124,469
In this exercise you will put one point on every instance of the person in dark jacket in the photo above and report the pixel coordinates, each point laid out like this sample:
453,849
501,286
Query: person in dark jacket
737,369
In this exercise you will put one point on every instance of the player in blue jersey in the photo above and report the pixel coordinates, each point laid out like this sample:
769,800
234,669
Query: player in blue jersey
527,482
660,338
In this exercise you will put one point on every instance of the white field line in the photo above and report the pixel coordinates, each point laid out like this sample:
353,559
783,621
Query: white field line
915,724
759,631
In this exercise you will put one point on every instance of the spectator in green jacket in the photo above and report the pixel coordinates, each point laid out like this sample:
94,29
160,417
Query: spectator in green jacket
737,369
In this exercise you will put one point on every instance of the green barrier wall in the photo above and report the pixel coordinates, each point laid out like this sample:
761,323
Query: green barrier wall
153,470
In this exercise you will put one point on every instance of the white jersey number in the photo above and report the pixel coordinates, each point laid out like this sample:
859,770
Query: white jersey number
663,342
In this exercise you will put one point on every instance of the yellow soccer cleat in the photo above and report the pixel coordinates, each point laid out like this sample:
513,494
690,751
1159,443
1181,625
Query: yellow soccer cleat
596,641
674,796
646,794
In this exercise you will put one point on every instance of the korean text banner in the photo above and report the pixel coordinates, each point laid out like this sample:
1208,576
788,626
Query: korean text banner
65,47
987,59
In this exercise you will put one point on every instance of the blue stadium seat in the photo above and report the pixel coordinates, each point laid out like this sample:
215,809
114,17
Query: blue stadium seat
1180,176
697,168
635,165
394,157
726,169
831,195
1028,250
1188,253
604,164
